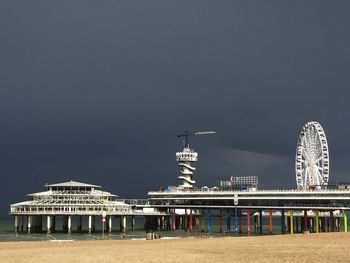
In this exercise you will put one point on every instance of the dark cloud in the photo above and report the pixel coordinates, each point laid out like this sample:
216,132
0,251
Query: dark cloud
97,91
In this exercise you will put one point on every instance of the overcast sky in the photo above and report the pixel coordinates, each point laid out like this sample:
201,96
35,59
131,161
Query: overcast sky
96,91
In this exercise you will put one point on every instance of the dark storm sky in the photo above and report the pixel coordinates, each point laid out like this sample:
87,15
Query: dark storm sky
96,91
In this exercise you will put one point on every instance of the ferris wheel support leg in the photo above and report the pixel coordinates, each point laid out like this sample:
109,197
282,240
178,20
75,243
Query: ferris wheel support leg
291,222
317,222
345,221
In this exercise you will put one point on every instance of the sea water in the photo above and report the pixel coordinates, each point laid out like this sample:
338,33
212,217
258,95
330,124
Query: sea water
7,230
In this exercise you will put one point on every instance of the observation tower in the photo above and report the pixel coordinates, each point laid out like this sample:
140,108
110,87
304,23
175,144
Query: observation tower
186,159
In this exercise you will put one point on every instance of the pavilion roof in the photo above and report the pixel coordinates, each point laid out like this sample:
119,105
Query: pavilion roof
73,184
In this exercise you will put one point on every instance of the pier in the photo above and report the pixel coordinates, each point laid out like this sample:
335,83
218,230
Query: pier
192,210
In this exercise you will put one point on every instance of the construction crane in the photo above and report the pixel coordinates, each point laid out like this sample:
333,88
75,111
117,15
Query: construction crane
187,134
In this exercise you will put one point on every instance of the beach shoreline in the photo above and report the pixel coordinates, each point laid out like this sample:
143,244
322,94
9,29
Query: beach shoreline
323,247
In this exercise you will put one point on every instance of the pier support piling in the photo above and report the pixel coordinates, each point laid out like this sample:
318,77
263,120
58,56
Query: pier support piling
240,221
16,224
220,220
173,221
236,221
124,223
110,224
168,223
248,221
90,225
53,224
191,221
260,222
297,224
159,223
291,227
228,221
197,221
69,225
270,221
345,221
283,222
48,224
305,228
93,223
133,223
317,221
331,221
29,224
79,223
208,221
22,223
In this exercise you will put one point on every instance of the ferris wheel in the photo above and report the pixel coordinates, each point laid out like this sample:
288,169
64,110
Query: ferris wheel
312,157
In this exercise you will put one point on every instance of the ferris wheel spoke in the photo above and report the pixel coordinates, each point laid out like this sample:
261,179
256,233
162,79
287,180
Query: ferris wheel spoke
319,168
320,176
319,159
306,155
306,173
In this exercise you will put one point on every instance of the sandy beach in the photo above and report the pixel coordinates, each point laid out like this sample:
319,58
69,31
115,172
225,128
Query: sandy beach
324,247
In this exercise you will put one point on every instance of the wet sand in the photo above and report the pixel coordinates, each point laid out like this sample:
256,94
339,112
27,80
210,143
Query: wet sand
324,247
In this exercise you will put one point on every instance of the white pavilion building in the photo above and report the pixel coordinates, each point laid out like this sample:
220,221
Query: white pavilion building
69,199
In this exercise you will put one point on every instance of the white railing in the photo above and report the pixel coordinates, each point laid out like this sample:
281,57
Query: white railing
189,191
